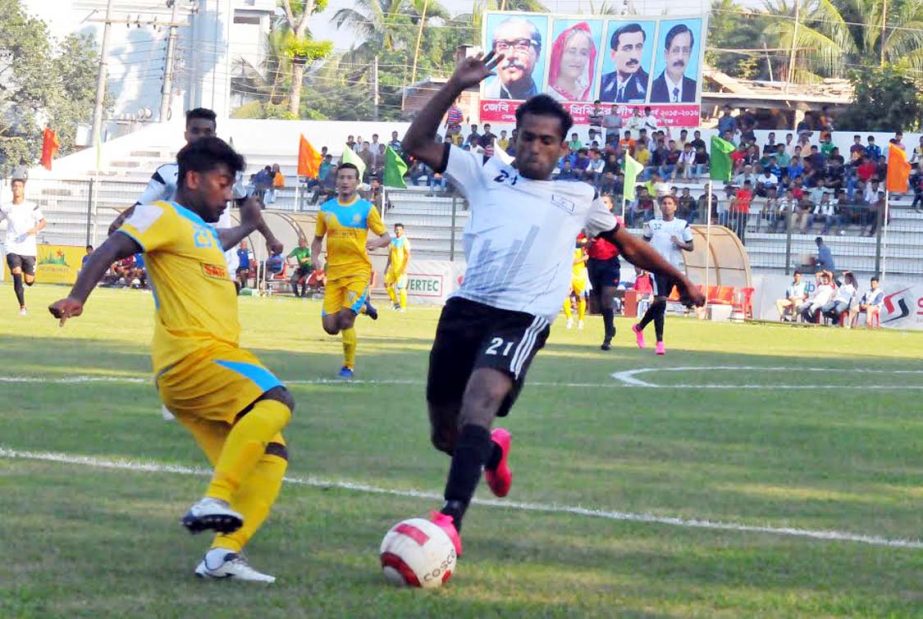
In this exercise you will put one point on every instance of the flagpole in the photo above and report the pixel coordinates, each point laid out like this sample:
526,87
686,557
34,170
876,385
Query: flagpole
884,252
708,188
624,203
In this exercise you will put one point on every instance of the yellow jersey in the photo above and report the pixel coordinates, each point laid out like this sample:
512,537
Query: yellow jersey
347,228
399,250
579,268
194,298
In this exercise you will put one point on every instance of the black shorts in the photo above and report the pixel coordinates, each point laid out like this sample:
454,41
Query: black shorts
663,285
27,263
604,272
472,335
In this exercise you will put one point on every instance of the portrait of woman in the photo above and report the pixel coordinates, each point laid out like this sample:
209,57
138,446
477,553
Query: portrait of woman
573,63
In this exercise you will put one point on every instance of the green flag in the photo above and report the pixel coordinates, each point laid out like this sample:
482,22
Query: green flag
350,157
632,170
719,161
395,169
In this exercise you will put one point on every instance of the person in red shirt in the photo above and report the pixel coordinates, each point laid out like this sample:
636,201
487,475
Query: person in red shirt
604,270
740,209
866,170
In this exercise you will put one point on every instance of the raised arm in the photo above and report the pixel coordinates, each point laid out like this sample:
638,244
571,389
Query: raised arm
116,247
250,219
642,255
420,139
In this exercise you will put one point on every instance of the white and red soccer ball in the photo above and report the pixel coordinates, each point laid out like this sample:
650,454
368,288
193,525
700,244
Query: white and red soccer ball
417,553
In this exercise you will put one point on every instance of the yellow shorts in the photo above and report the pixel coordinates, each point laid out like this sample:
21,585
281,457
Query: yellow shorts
348,292
391,279
217,384
578,285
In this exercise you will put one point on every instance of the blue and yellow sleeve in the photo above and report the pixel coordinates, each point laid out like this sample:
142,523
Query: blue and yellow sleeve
152,226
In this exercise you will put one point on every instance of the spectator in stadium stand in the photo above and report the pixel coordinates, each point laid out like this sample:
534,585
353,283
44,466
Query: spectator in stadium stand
503,142
898,140
727,123
453,120
702,204
474,138
595,117
351,143
916,186
917,155
740,209
641,208
738,155
487,138
872,150
746,176
686,207
805,128
278,182
642,156
612,123
358,145
611,178
870,303
701,161
825,211
824,260
417,171
785,205
823,292
378,162
395,143
635,123
867,169
876,211
373,146
795,296
766,181
575,144
650,120
843,298
770,147
782,157
594,169
790,144
567,172
685,164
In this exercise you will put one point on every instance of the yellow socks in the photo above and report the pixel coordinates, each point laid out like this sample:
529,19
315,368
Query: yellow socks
256,495
391,294
350,340
403,298
567,308
581,307
245,446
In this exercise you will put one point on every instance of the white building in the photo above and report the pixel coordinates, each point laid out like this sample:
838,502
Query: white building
214,36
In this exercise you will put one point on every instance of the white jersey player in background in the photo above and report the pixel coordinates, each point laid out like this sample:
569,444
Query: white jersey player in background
24,222
200,123
519,249
670,236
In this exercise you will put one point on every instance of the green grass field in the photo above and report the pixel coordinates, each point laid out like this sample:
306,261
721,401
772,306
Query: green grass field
829,439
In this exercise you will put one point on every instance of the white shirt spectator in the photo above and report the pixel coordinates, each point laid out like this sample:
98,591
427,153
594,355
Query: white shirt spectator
845,293
825,208
796,291
822,296
768,181
873,297
741,178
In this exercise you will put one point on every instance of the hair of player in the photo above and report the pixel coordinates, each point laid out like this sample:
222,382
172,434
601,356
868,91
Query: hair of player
348,166
543,105
201,112
626,29
875,279
677,30
18,180
206,155
669,197
398,225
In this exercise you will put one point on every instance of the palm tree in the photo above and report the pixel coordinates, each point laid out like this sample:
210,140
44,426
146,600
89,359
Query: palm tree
299,46
827,36
377,22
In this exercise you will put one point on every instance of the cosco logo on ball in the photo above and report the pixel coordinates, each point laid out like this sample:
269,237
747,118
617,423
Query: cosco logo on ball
437,572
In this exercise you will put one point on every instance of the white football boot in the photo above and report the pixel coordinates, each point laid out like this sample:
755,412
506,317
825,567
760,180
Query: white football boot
223,563
212,514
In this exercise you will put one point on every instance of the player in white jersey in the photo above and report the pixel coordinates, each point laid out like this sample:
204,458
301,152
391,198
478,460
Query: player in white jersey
519,247
200,123
670,236
24,222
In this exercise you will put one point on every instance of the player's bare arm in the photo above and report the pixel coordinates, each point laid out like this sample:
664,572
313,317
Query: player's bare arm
420,139
250,220
646,257
116,247
382,241
682,245
316,247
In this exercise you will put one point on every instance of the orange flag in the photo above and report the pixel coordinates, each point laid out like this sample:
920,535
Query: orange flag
308,159
898,170
50,147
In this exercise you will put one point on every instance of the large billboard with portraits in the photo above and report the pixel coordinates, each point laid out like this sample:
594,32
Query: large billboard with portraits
625,62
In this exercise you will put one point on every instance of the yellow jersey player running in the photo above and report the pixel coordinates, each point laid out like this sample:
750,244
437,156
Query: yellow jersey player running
234,407
577,285
396,271
346,221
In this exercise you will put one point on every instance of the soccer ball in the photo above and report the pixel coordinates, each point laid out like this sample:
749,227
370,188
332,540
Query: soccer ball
417,553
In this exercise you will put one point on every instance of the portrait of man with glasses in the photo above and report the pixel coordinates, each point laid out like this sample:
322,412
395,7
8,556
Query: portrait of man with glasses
520,42
672,86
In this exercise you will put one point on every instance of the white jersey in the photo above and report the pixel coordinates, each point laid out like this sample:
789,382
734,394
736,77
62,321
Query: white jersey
21,218
660,234
162,186
519,241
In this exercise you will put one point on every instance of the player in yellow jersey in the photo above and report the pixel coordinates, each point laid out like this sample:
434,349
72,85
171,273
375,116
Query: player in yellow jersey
577,285
346,221
234,407
396,271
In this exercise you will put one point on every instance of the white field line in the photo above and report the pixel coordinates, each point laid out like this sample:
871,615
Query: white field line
314,482
627,378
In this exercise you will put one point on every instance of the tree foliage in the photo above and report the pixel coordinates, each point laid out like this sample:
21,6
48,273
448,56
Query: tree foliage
886,98
41,82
